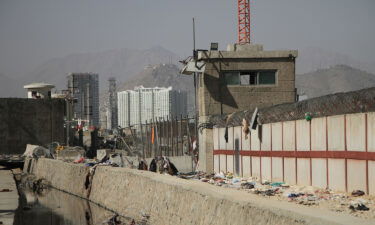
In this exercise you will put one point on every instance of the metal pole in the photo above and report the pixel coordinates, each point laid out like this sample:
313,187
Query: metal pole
159,139
173,135
152,143
180,136
188,133
163,137
168,134
156,136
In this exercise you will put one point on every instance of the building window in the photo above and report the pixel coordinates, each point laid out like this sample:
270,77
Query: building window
267,77
251,78
232,78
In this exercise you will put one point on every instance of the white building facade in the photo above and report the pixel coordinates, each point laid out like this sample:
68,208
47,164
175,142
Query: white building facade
143,105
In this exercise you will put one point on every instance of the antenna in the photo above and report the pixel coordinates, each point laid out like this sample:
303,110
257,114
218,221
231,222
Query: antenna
243,21
194,38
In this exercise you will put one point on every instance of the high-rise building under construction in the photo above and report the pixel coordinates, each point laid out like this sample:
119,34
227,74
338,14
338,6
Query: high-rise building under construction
112,104
84,88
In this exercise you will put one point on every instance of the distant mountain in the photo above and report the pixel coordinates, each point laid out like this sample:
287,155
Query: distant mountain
119,63
314,58
339,78
11,87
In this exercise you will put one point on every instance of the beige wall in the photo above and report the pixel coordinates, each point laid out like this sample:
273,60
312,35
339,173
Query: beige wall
216,99
343,133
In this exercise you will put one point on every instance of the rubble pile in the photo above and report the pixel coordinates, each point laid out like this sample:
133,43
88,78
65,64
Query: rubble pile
355,203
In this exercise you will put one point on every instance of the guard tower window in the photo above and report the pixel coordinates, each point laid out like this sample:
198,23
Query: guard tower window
251,78
267,77
232,78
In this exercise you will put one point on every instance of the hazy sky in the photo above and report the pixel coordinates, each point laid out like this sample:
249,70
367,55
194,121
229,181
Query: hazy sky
33,31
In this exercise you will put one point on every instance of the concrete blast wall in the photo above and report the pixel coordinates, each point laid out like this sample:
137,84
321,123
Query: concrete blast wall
170,200
336,152
30,121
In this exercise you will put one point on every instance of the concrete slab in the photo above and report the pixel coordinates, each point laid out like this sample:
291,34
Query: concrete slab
255,142
356,175
289,136
336,174
216,163
266,168
230,166
371,177
290,170
303,172
216,138
303,135
8,200
318,134
255,166
319,173
246,166
230,144
277,136
223,163
277,169
371,131
355,132
336,134
196,202
266,137
245,141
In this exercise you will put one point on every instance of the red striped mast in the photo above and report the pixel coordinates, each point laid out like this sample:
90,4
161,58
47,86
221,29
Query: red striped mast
243,21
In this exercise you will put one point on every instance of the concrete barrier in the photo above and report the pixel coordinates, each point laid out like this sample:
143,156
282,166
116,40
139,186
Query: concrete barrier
69,177
183,163
170,200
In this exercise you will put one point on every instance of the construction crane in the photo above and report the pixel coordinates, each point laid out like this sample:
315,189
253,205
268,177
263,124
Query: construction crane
243,21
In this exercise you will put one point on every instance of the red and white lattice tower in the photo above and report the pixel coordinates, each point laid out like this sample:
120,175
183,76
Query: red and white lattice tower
243,21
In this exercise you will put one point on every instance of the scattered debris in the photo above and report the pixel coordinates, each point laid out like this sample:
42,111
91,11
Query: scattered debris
358,204
79,160
248,185
357,193
26,208
114,220
162,164
304,195
5,190
36,151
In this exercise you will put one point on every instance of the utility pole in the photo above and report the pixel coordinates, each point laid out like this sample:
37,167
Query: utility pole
195,55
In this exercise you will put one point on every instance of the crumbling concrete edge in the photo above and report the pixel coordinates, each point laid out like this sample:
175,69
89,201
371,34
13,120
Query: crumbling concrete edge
111,185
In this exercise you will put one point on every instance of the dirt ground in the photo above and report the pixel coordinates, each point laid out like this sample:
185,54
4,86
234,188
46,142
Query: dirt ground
357,204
